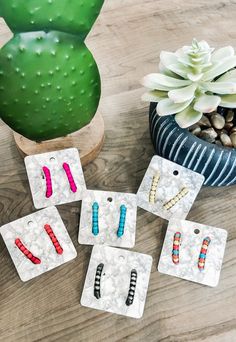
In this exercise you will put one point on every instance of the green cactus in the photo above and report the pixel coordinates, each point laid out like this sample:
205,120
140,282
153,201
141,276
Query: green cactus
49,81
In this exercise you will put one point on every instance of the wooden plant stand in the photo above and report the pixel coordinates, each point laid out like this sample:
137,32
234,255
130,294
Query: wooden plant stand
88,140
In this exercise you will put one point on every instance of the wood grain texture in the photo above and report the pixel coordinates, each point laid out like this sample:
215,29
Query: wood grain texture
89,149
126,42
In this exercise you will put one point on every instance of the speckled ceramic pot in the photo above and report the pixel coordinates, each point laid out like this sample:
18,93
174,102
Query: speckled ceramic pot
216,163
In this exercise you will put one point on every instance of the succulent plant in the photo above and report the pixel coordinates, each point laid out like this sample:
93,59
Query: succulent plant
194,80
49,80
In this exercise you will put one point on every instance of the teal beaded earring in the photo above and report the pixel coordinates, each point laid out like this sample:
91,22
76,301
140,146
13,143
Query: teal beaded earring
95,228
121,227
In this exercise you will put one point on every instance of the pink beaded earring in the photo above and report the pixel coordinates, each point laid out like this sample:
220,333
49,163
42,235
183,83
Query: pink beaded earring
73,186
47,175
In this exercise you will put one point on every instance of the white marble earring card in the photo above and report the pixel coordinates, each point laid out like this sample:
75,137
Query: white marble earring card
108,216
34,248
168,189
197,255
115,285
55,177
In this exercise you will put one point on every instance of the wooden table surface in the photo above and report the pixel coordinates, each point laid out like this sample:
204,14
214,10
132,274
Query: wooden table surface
126,42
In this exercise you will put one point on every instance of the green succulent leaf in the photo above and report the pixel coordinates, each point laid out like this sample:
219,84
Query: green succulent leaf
154,96
220,68
207,103
229,76
228,101
167,72
182,94
168,58
179,69
154,81
221,87
188,117
168,107
222,53
193,80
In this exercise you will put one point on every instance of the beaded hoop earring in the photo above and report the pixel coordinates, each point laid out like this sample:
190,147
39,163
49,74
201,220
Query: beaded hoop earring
70,178
121,227
203,253
26,252
132,287
47,175
97,282
53,238
95,227
175,250
172,202
153,190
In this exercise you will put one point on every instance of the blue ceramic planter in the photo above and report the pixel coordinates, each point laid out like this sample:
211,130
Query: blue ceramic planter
216,163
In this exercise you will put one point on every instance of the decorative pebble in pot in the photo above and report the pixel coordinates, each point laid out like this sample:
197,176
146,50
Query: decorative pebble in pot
192,121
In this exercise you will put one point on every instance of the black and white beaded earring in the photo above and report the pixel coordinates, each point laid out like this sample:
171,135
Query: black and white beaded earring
132,287
97,282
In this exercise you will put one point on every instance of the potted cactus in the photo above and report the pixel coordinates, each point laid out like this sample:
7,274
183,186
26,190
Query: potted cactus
49,80
192,119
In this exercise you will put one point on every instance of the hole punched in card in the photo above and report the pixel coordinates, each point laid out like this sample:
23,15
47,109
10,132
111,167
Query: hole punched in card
117,281
38,243
55,177
193,252
168,189
108,218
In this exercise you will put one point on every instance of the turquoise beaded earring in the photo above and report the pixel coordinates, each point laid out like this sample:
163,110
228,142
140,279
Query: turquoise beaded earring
121,227
95,228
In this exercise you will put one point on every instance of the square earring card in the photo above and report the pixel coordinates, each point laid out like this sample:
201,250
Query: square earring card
117,281
168,189
38,243
55,177
193,251
108,218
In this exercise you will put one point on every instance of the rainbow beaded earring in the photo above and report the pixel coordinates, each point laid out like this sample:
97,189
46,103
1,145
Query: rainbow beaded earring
132,287
203,252
175,250
95,228
120,231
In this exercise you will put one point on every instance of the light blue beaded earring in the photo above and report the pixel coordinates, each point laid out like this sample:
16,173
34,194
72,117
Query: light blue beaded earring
95,228
121,227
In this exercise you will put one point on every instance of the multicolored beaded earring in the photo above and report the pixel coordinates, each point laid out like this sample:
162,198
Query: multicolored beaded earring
70,178
47,175
175,250
121,227
26,252
132,287
97,282
95,228
203,252
53,238
172,202
153,190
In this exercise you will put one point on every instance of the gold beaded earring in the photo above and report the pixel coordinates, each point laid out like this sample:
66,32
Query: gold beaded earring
172,202
153,190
